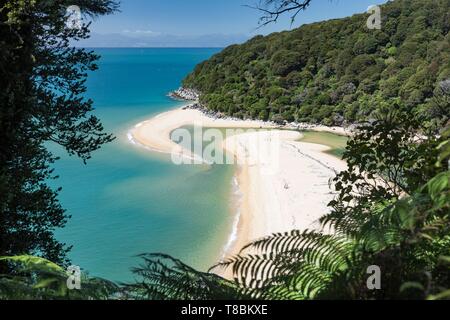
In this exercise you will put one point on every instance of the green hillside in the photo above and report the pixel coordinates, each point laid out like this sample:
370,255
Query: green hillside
334,72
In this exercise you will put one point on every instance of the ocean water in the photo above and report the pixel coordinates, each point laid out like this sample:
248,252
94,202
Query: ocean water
127,200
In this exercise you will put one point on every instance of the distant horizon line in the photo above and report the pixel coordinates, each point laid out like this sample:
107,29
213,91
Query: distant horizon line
156,47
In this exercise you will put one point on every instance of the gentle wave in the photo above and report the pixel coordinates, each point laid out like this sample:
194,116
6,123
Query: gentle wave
133,141
235,228
131,138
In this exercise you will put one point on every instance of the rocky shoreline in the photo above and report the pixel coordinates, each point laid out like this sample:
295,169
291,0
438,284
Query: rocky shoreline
186,94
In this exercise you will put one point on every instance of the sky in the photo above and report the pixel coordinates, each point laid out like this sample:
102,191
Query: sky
203,22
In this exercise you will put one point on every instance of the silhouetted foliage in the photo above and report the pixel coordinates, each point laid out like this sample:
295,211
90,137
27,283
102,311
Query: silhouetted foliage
162,277
39,279
43,81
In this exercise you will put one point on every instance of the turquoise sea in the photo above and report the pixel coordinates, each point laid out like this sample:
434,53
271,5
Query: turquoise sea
126,200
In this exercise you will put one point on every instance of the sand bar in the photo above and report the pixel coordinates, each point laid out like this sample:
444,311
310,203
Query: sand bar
293,194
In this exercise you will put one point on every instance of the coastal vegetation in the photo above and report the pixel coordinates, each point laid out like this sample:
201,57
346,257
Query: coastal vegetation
334,72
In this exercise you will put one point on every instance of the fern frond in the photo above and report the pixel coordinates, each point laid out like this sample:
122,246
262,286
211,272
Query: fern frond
165,278
38,278
296,264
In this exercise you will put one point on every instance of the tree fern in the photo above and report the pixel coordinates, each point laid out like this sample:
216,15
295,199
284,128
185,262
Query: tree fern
300,262
161,277
39,279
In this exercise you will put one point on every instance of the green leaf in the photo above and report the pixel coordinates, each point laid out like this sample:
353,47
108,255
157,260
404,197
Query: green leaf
441,296
411,285
438,185
30,263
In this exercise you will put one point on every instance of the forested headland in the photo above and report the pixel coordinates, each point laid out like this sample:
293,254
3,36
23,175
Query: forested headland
335,72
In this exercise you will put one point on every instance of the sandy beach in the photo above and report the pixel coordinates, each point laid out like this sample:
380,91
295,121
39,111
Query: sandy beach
288,192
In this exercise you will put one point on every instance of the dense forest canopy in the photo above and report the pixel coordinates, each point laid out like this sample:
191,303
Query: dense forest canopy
335,72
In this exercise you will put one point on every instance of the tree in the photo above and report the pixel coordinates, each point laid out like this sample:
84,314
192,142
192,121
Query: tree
387,158
440,105
43,80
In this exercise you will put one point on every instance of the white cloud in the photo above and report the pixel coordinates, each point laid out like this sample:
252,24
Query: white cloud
137,38
141,32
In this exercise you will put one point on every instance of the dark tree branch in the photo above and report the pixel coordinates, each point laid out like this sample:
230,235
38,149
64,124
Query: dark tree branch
273,9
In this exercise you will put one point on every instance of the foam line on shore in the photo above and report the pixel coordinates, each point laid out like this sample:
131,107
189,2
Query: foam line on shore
237,200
